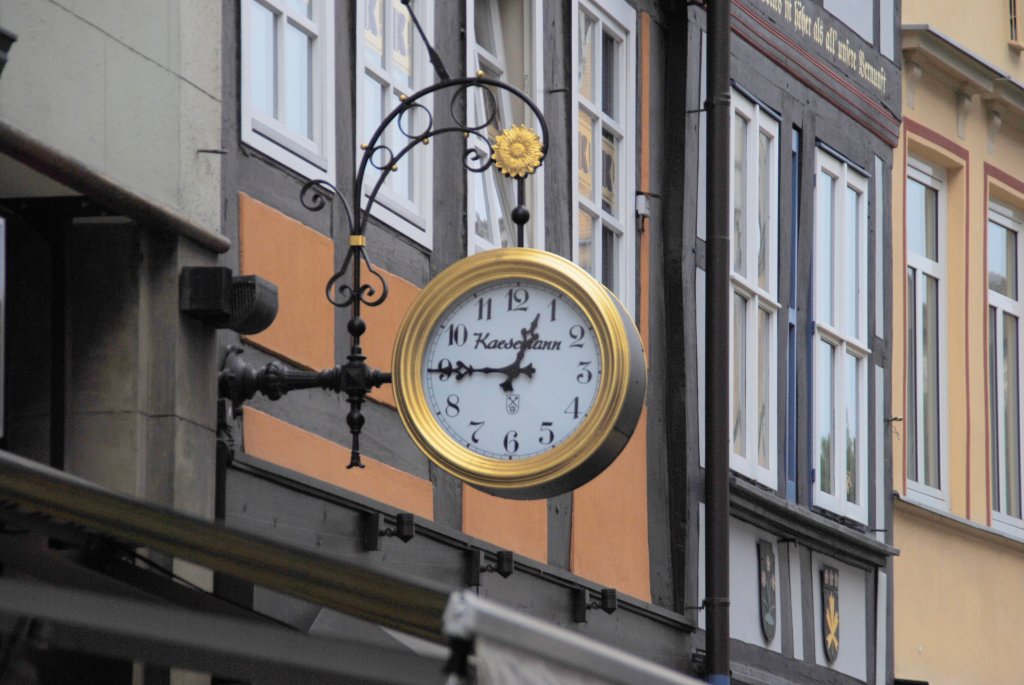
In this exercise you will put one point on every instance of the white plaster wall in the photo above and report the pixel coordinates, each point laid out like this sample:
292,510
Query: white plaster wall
130,89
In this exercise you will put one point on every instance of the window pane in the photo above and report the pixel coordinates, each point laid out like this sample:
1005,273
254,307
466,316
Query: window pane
739,374
373,33
852,286
1011,414
298,62
764,327
261,60
922,219
609,259
586,56
303,8
483,25
739,195
824,402
586,165
609,88
373,113
852,429
930,379
764,208
825,264
401,44
609,173
1002,260
586,256
996,447
911,398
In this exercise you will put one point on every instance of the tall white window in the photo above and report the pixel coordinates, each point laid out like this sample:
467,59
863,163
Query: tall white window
603,108
288,83
502,43
840,446
754,198
1004,354
392,64
925,227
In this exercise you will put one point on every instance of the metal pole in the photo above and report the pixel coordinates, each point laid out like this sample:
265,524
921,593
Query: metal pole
716,386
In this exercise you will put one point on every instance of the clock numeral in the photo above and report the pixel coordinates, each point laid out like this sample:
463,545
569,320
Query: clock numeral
573,408
473,435
483,309
452,409
577,333
554,302
547,436
457,334
511,444
585,375
517,299
445,369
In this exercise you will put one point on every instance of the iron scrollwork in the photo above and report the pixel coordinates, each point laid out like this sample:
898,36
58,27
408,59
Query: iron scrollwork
516,152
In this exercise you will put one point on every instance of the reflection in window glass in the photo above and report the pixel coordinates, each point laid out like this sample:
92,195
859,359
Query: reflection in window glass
826,229
586,56
852,428
261,60
851,254
586,242
1002,260
739,374
298,64
608,71
929,383
739,203
764,344
764,206
824,410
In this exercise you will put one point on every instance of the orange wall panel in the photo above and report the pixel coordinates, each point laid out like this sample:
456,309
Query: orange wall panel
281,443
609,522
517,525
299,261
382,326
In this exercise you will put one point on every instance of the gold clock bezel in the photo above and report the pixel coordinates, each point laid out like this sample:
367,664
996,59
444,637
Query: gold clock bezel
594,443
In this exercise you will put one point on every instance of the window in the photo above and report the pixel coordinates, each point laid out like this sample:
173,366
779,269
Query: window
288,83
502,46
1014,31
859,15
603,103
1004,354
754,194
925,227
840,332
392,64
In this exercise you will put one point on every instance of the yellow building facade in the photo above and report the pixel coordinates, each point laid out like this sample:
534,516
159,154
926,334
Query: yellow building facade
958,204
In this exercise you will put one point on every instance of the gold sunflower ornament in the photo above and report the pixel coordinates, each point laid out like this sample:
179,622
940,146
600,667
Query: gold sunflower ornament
517,151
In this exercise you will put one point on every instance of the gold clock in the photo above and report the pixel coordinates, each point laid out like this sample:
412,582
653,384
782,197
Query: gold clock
518,373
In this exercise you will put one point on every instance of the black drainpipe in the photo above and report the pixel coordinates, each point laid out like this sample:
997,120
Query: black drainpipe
716,386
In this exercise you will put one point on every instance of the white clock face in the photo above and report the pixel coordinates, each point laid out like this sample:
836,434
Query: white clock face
511,369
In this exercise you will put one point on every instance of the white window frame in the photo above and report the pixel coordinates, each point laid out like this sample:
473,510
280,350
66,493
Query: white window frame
311,157
619,19
1011,219
480,59
828,267
758,299
935,178
412,218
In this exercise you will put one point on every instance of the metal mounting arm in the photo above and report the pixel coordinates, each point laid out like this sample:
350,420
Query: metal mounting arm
239,381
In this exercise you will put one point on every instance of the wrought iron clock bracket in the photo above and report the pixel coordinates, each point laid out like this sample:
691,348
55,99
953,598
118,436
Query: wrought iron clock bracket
516,152
240,381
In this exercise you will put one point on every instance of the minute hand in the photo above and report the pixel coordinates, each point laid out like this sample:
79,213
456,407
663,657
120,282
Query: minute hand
510,371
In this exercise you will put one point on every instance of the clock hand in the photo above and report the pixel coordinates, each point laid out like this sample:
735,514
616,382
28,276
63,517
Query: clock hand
511,371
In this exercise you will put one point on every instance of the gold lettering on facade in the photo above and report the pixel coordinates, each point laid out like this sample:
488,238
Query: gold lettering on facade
797,14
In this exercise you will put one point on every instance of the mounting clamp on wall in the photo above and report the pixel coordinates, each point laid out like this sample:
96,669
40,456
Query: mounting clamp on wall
581,602
404,530
504,565
245,304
